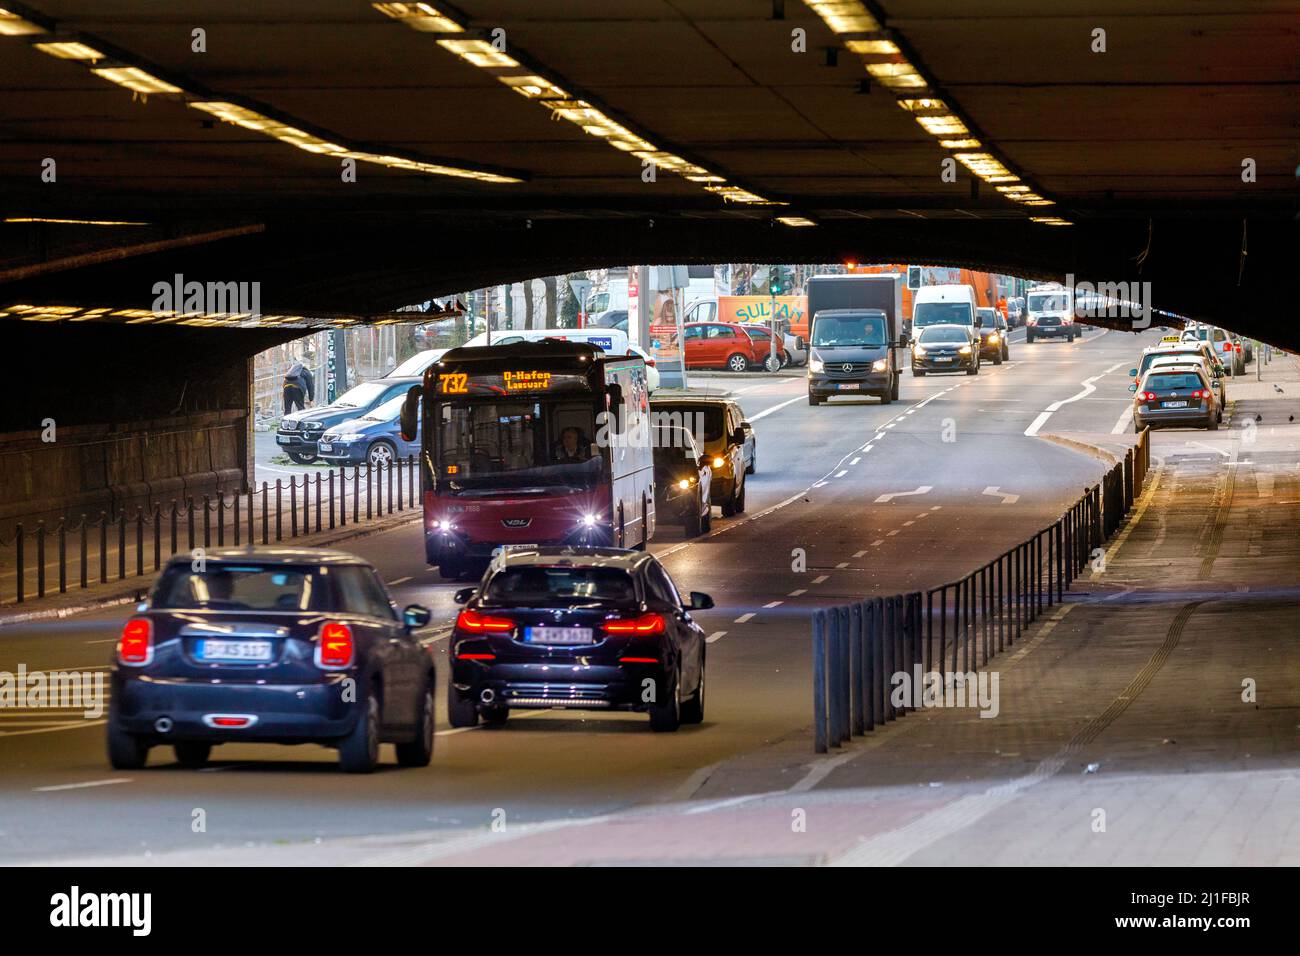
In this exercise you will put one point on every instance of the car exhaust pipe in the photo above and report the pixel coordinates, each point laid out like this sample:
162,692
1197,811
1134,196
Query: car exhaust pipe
487,695
163,725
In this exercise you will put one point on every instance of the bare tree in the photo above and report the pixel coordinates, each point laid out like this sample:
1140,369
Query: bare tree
528,305
552,306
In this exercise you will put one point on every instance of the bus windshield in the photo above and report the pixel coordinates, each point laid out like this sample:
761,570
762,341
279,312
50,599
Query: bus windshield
517,444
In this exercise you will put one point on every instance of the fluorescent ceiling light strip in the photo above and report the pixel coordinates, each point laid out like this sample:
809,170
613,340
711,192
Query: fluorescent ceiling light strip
246,118
68,50
12,25
420,16
844,16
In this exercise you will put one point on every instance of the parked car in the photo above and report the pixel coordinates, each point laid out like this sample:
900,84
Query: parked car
1214,376
300,432
374,438
612,622
993,335
278,646
946,348
725,345
683,480
729,443
1175,395
796,349
417,363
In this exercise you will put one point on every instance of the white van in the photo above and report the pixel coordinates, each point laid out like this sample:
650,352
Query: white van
943,305
611,341
1049,312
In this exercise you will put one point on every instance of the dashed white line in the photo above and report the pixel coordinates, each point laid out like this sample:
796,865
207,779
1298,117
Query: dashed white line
798,591
841,565
393,584
715,637
908,523
744,617
878,542
892,533
855,460
771,604
841,474
821,578
858,554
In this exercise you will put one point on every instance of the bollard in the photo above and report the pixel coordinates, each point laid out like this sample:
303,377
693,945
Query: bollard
235,524
157,533
887,651
855,631
221,518
63,556
836,732
18,558
293,506
846,675
85,530
40,558
879,681
868,666
819,682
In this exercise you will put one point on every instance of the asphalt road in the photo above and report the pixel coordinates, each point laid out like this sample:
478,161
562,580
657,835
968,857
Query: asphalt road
966,480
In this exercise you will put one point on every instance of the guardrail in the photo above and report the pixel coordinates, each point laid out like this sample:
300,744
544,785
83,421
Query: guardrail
861,649
34,558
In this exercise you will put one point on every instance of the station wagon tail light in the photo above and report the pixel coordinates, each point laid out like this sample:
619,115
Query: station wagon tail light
1148,396
645,624
476,623
135,646
335,647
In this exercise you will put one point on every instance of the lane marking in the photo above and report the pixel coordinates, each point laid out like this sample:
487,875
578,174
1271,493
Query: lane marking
798,591
82,786
772,604
855,460
744,618
909,523
775,408
1038,423
992,490
715,637
878,542
892,533
1125,420
393,584
858,554
1213,448
841,565
841,474
1088,389
921,490
820,579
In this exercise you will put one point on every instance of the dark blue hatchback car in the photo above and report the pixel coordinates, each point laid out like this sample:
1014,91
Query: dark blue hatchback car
271,646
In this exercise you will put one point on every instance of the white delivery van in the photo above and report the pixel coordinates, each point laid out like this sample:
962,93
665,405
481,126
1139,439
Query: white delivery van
943,305
611,341
1049,312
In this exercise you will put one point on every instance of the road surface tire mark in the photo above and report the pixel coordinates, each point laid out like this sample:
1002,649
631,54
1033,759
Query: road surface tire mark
1220,517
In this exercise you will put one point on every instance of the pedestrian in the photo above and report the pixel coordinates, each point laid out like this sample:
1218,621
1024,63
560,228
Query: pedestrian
298,384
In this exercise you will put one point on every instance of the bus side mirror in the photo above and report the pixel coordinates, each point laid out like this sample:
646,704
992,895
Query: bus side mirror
410,417
902,340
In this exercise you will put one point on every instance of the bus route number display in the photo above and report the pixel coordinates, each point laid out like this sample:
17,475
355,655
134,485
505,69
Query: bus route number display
453,383
529,381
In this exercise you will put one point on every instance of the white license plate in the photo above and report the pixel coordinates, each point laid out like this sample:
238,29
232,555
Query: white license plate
944,359
1173,404
849,386
213,650
559,635
283,439
513,547
325,446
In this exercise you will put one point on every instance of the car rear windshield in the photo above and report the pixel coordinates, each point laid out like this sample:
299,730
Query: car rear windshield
931,336
538,586
709,416
1179,380
241,587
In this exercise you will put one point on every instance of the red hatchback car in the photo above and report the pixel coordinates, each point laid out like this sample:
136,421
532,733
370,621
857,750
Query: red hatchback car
728,345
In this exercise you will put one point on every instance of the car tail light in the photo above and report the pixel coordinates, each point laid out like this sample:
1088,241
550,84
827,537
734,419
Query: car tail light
135,646
638,660
475,656
1227,346
476,623
335,647
645,624
1148,396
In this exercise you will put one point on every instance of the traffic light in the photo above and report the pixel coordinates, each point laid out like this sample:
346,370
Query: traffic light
778,280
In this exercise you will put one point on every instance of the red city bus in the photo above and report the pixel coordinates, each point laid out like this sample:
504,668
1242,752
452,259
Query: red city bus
532,443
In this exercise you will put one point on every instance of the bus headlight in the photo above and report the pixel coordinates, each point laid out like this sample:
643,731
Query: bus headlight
879,365
719,462
684,483
815,364
589,521
442,524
